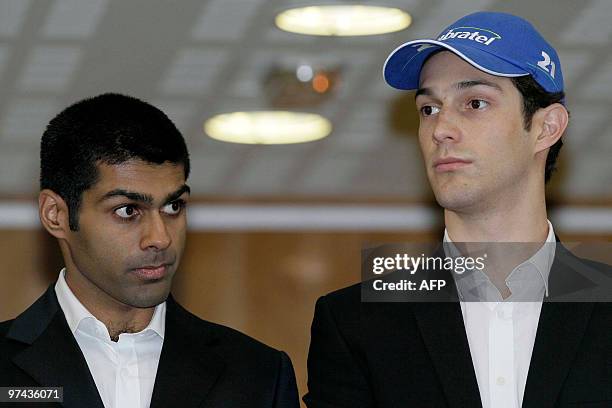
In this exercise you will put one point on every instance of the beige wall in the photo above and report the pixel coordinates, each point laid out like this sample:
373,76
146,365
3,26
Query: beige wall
264,284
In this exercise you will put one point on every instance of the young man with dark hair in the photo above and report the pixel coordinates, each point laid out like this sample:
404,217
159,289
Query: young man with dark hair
489,92
113,193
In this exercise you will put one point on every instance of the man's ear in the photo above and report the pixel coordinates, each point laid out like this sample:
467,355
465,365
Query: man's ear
53,213
549,123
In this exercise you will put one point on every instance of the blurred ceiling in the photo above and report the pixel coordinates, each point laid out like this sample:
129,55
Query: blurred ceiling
196,58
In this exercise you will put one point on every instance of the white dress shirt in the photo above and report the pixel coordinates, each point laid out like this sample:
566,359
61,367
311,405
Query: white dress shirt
501,333
124,371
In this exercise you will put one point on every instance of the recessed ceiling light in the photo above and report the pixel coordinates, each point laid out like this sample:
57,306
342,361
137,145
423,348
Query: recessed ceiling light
267,127
343,20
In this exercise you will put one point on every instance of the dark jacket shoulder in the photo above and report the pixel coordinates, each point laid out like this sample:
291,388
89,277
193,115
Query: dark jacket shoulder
229,342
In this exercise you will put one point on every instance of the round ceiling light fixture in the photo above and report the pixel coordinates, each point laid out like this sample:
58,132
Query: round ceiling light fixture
345,20
267,127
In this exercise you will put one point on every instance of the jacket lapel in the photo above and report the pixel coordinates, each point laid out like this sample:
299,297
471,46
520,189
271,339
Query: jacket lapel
441,325
560,330
188,367
53,357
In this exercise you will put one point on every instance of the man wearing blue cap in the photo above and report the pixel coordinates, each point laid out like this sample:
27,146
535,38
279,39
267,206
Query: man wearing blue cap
489,92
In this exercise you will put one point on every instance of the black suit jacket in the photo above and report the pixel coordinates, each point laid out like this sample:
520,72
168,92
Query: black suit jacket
417,354
202,364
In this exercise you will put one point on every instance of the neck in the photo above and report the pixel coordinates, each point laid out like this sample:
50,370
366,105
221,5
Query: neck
523,220
517,217
116,316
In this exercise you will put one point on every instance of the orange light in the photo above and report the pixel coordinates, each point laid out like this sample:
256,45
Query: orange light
320,83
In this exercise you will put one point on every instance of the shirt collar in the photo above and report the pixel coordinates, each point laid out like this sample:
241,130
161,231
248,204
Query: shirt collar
542,259
76,313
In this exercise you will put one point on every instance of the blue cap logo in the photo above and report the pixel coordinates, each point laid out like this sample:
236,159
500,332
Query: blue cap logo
480,35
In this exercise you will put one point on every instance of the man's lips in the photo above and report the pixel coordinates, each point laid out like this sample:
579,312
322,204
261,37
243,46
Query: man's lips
450,163
151,271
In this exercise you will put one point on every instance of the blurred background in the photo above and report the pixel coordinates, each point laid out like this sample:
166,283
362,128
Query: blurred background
274,226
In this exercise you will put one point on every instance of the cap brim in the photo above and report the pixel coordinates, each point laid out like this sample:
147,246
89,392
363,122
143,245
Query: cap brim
403,66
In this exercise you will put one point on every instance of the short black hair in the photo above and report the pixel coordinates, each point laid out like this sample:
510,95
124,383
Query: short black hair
535,97
110,129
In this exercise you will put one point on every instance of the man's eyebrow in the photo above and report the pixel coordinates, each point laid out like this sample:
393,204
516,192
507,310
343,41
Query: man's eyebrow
461,86
173,196
145,198
469,84
422,91
132,195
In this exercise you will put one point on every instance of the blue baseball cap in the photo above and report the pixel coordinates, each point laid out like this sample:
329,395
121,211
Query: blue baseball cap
500,44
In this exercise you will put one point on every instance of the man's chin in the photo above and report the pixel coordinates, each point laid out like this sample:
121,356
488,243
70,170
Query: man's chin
147,298
457,201
146,304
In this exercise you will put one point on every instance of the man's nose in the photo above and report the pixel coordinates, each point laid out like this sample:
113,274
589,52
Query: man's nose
155,235
445,128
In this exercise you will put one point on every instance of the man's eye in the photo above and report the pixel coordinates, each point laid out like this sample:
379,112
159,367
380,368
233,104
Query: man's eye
478,104
429,110
174,207
126,212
